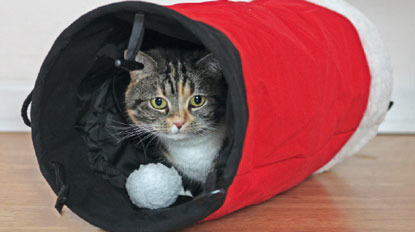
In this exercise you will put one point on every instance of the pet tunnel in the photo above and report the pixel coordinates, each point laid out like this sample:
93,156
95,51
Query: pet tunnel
308,84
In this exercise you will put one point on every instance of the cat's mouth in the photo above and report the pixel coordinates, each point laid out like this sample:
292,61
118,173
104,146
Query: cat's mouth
176,135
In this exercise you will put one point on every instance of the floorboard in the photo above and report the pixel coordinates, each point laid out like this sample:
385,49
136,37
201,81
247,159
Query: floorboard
371,191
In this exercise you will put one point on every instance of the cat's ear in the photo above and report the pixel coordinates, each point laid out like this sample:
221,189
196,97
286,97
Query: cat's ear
149,63
209,63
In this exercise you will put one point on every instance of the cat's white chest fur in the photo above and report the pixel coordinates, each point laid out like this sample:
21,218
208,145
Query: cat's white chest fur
195,157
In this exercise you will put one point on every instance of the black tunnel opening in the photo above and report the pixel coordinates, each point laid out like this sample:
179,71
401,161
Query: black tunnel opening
79,93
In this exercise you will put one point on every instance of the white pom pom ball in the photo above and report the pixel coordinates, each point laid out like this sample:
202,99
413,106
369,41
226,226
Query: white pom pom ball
154,186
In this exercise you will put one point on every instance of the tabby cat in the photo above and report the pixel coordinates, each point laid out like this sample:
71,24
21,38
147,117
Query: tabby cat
180,97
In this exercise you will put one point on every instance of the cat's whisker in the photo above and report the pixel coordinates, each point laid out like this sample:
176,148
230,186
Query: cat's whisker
118,132
130,131
120,123
144,139
129,135
154,137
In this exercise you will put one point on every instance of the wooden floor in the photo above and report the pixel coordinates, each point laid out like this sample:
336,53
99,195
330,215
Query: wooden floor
372,191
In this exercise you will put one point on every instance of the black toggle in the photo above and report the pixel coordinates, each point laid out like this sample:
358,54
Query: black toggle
62,198
60,183
128,65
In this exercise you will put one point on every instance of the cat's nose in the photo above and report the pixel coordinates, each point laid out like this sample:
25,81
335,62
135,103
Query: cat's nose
178,124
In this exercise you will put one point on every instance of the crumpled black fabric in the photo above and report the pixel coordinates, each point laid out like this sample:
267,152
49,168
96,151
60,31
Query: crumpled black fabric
101,121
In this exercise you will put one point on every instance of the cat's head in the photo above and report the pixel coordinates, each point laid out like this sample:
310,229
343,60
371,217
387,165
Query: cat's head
178,94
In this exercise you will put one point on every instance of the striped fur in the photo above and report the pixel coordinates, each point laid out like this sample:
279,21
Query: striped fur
177,76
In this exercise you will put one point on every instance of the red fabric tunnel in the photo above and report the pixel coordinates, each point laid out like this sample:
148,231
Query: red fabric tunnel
297,69
307,84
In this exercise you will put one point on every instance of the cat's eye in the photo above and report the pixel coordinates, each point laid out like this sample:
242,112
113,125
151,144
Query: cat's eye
158,103
197,101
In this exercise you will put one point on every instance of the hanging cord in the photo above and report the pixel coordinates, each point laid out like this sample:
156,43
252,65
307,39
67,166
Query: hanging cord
134,45
136,37
60,184
25,106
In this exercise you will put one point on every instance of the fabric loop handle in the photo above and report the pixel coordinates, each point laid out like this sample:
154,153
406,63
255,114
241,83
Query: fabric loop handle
24,109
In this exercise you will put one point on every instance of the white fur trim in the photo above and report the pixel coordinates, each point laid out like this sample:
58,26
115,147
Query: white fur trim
381,82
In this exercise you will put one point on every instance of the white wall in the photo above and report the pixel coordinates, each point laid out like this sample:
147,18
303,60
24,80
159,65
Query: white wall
396,22
28,29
